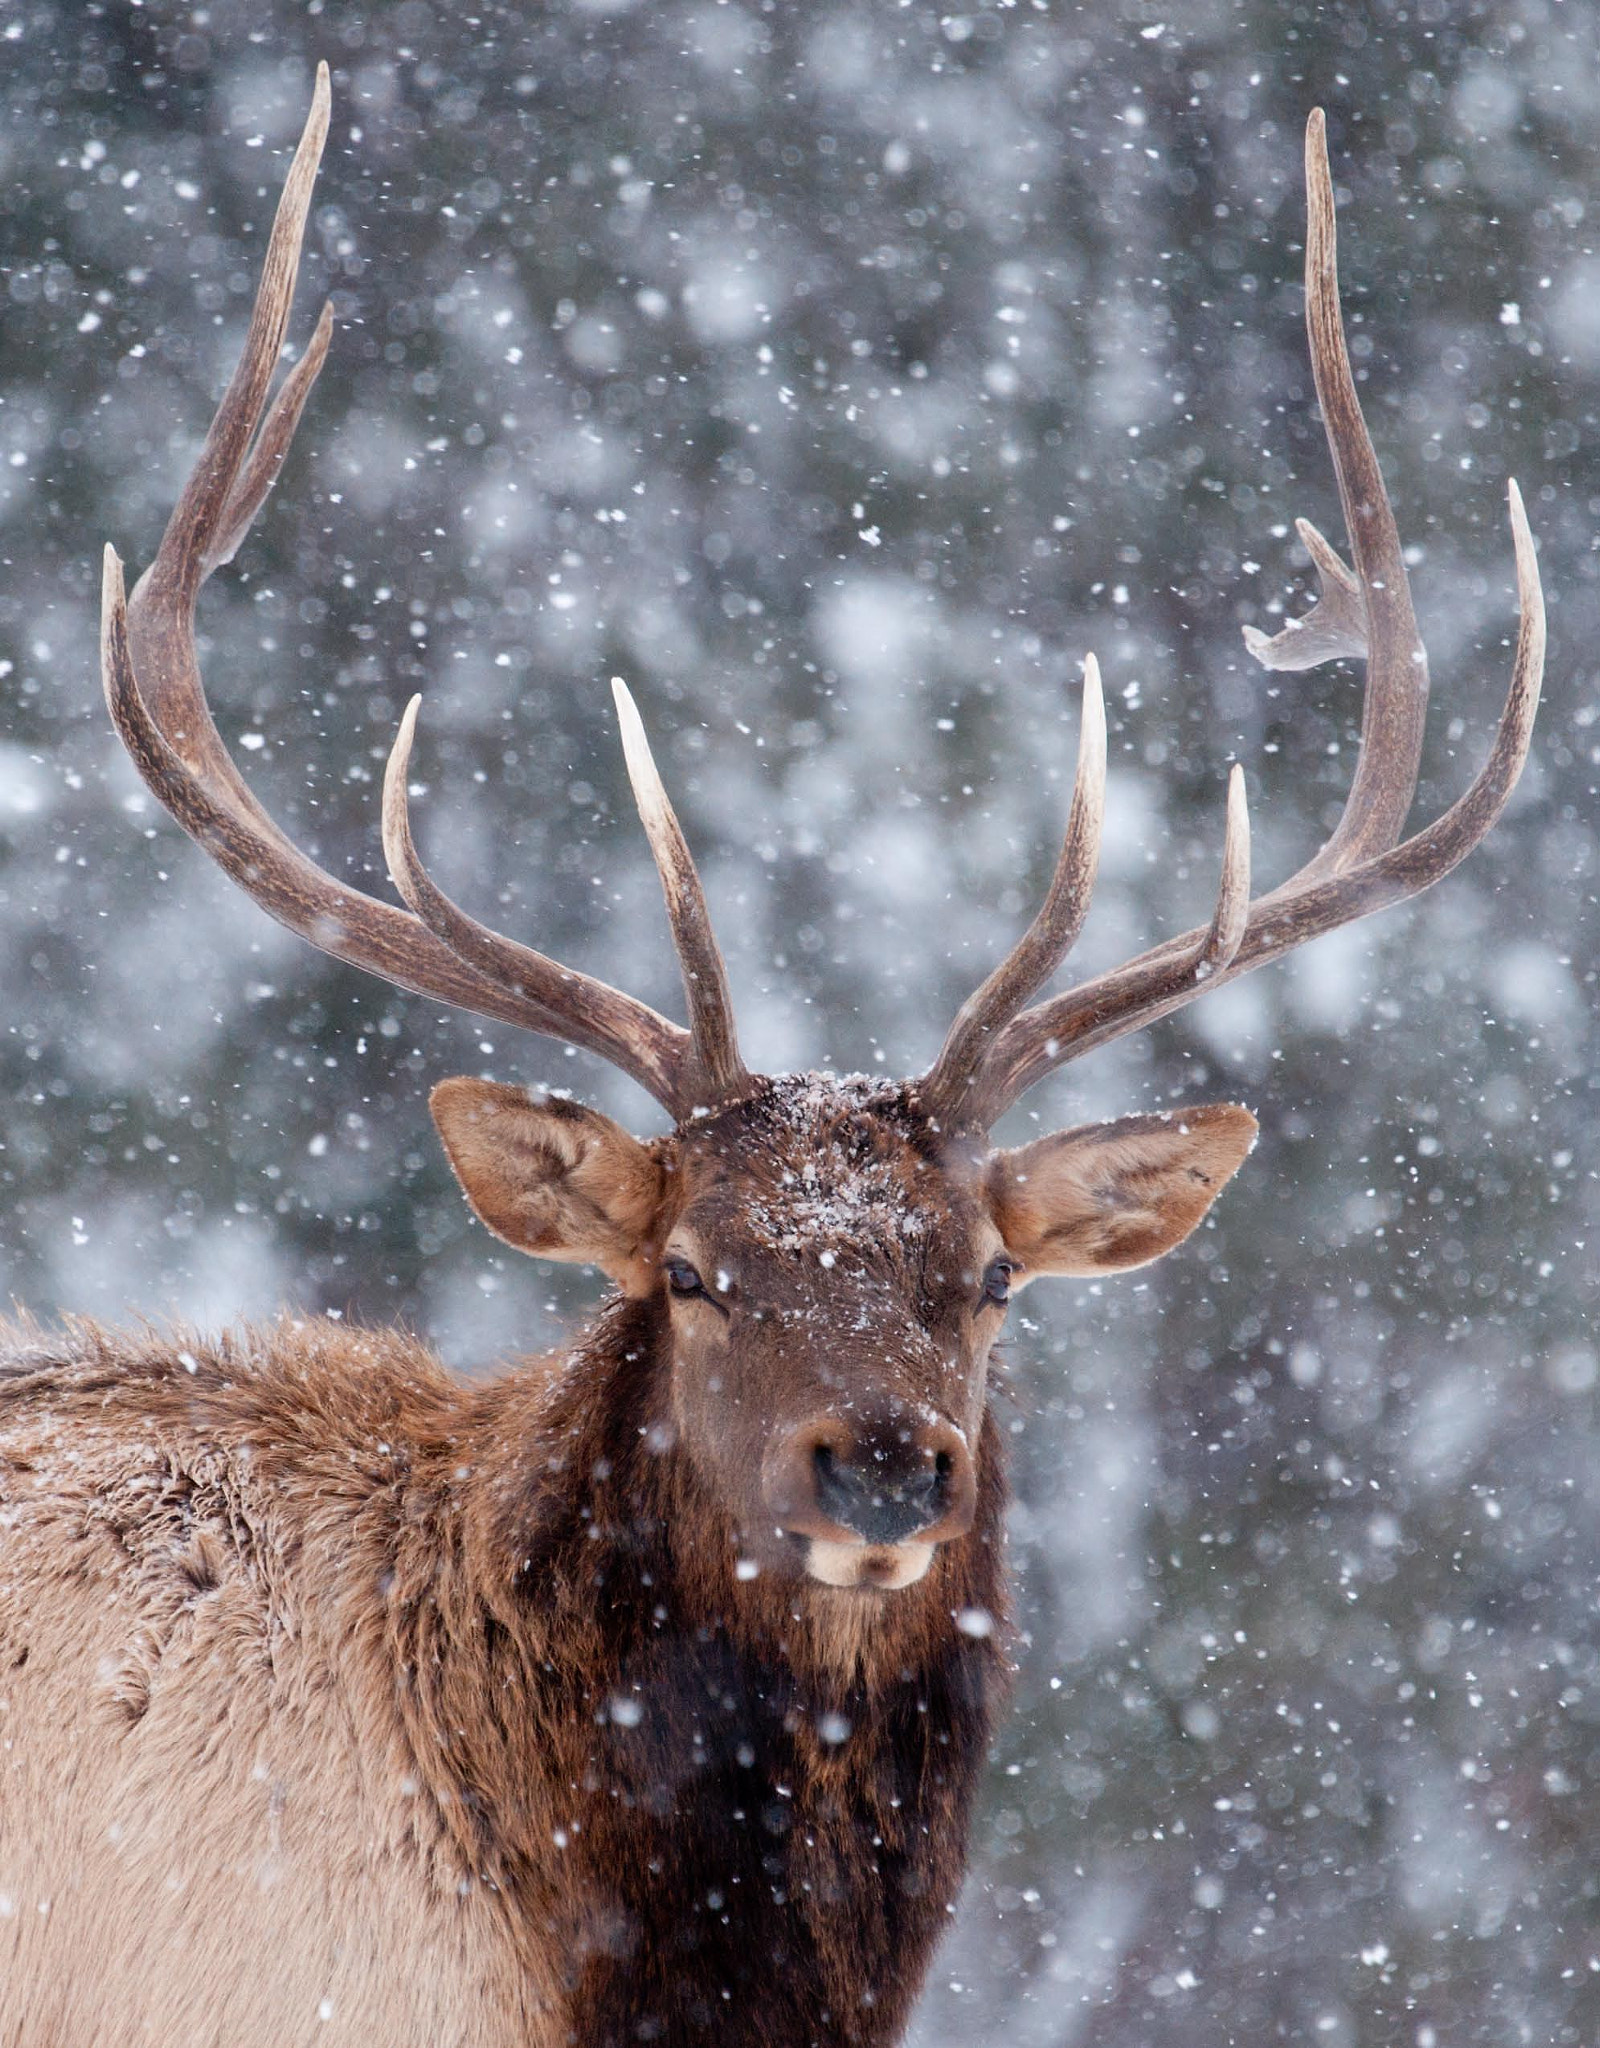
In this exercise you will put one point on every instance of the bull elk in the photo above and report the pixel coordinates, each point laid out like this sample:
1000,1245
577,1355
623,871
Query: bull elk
639,1694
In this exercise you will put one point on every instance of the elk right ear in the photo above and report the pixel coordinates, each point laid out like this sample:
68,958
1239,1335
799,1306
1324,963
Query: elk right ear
552,1177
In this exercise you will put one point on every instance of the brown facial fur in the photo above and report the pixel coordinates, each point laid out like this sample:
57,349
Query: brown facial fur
844,1264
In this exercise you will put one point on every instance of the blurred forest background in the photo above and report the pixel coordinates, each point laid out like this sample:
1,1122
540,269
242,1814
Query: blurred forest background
840,373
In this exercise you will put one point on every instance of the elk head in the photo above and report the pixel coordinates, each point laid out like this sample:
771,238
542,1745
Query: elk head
830,1259
834,1269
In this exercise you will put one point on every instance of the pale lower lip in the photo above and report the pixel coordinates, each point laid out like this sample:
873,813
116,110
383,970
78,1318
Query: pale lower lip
876,1569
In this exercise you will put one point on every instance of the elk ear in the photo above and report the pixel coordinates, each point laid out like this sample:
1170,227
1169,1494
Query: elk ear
552,1177
1109,1196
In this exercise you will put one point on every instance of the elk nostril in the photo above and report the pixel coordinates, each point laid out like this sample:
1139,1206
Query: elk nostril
830,1482
937,1479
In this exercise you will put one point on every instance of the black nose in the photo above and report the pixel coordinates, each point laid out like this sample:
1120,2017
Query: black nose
883,1499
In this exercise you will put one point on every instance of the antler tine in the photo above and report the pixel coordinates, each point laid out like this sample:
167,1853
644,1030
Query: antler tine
705,979
1364,866
226,488
271,446
184,558
157,700
1174,974
555,999
1051,936
1222,941
249,848
1395,704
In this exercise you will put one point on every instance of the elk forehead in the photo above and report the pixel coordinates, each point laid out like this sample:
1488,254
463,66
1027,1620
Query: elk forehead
837,1175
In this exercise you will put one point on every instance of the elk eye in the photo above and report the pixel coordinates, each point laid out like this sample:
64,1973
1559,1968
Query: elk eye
997,1281
683,1279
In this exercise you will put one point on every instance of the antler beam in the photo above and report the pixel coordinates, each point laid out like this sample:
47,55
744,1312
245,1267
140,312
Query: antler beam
153,686
996,1050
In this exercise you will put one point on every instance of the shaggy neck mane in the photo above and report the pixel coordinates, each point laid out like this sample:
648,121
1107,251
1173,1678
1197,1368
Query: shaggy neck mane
558,1526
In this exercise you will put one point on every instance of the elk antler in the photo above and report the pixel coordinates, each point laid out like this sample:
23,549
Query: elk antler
996,1050
153,687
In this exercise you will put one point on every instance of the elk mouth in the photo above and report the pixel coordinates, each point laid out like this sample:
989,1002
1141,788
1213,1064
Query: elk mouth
867,1567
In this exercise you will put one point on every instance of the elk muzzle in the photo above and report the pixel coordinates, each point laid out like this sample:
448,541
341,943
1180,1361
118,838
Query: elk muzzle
873,1496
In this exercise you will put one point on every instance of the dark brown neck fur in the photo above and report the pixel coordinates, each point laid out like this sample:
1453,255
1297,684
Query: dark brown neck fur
720,1790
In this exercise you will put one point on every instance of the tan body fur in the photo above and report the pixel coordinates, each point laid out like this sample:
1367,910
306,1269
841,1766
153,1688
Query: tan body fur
204,1762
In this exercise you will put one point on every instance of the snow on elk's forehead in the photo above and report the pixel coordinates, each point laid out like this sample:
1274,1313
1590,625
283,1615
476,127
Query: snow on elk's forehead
832,1164
828,1369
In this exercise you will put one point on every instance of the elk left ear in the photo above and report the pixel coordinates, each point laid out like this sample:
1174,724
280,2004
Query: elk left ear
1109,1196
